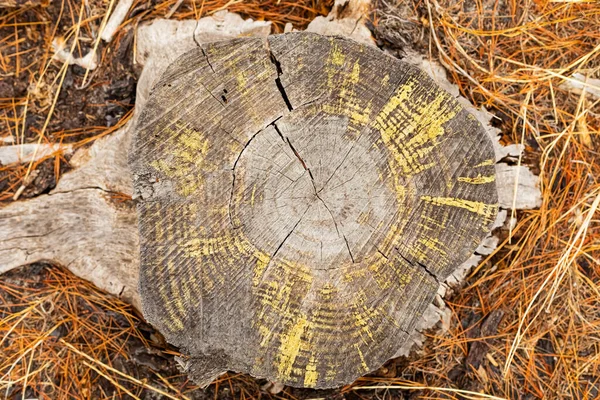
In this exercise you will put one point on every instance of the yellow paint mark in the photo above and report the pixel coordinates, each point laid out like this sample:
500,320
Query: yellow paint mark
478,180
265,332
291,343
355,274
389,130
332,372
485,163
362,358
386,80
262,260
380,277
364,217
347,103
327,291
488,211
410,126
395,231
433,243
311,375
187,157
355,74
361,117
364,315
242,81
252,196
337,56
200,247
172,303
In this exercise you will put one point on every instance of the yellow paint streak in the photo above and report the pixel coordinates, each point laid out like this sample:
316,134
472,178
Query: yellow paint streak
362,358
389,131
354,76
410,126
332,372
262,260
173,302
356,274
364,315
242,81
252,196
291,343
200,247
386,80
347,103
337,57
186,159
478,180
485,163
433,243
477,207
311,375
327,291
378,272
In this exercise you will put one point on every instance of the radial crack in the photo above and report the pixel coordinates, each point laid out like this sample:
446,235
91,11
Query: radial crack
212,95
205,56
278,82
312,180
381,252
285,239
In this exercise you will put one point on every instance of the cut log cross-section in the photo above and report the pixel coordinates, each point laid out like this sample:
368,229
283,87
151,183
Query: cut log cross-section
300,198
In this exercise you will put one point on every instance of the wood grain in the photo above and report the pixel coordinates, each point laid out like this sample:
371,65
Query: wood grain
299,199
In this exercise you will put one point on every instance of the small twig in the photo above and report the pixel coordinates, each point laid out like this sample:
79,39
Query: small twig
97,42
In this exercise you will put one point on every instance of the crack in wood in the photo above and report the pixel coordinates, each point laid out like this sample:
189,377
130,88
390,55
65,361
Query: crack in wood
417,264
348,247
206,57
200,46
278,82
285,239
381,252
273,123
312,180
213,96
233,180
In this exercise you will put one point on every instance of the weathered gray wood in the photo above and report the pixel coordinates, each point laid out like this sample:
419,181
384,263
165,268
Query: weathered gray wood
83,224
300,199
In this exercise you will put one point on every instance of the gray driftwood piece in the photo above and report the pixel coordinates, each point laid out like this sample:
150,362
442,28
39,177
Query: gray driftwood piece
300,199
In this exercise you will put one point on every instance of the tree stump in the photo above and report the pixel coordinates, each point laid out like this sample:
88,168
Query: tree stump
300,198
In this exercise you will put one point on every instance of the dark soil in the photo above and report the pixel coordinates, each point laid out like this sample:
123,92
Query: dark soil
80,112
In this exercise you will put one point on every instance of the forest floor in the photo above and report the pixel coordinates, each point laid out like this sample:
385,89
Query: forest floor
525,326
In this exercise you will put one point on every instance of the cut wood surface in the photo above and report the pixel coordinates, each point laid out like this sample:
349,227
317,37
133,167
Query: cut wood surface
300,199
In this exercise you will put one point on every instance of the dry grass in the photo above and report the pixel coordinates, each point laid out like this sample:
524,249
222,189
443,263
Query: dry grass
62,338
542,284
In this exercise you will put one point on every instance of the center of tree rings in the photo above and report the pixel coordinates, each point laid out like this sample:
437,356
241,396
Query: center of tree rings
300,189
300,199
